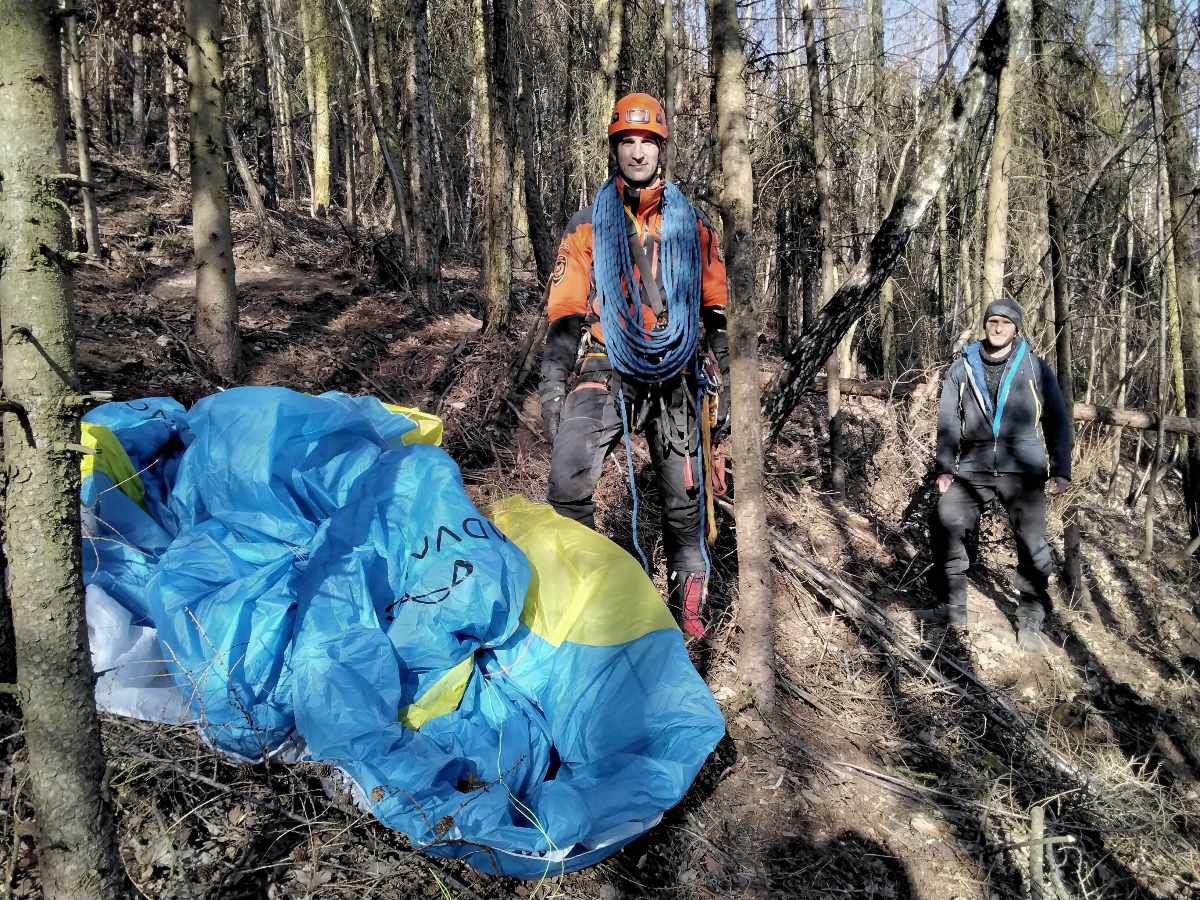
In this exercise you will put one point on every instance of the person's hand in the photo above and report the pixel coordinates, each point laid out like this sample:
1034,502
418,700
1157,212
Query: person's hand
1057,486
944,481
551,414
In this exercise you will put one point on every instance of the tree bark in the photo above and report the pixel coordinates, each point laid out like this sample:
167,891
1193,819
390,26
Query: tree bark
1180,152
260,86
883,182
138,104
607,17
496,270
172,110
428,231
918,189
316,62
756,581
540,237
824,188
995,252
212,241
266,238
77,837
79,116
670,81
287,131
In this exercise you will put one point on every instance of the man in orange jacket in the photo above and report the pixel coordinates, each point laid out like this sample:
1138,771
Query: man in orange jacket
598,387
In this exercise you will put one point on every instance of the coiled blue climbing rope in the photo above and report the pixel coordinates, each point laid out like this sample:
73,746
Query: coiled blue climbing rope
650,355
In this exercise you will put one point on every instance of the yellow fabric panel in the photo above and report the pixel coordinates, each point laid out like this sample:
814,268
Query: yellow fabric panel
441,697
111,459
429,426
585,589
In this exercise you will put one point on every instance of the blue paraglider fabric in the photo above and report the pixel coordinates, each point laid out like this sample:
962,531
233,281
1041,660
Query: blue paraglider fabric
507,689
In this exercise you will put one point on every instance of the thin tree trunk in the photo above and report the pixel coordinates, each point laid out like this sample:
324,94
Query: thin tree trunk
216,290
496,270
79,115
172,110
919,186
883,183
1122,347
670,78
756,581
77,835
428,232
607,17
316,61
260,86
1180,154
138,105
824,188
398,192
266,238
275,46
995,252
540,237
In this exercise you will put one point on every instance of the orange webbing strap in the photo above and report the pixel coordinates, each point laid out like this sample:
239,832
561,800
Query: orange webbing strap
708,413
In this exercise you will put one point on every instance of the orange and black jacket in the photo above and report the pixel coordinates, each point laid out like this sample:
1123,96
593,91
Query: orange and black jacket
574,304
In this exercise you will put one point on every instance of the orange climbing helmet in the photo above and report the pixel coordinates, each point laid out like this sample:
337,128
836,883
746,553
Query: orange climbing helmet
638,112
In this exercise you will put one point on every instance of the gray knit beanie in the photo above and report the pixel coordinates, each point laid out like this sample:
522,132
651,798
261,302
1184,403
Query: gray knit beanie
1006,309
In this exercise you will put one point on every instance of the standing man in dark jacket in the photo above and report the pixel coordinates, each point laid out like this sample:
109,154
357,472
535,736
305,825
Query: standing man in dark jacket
1003,433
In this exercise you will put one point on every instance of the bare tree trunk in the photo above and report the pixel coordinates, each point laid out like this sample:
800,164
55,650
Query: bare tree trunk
824,188
995,252
138,105
172,110
1122,348
79,116
398,192
1180,153
883,183
540,238
428,231
77,836
919,186
266,239
670,80
260,85
607,17
756,581
496,270
278,69
216,290
316,61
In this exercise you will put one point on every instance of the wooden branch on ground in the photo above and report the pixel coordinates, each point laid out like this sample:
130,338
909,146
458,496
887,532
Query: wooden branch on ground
1083,412
862,285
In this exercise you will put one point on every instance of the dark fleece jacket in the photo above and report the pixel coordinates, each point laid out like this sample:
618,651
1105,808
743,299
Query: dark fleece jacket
1028,430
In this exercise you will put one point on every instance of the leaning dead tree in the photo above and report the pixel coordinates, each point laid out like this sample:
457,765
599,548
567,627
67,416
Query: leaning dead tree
77,841
861,287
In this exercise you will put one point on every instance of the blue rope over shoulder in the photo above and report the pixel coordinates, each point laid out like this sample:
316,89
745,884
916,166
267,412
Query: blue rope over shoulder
657,355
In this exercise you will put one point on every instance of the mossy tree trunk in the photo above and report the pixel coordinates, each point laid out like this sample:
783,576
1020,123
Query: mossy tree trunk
212,242
77,842
756,580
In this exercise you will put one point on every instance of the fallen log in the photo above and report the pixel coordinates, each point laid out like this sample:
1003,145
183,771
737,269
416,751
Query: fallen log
1083,412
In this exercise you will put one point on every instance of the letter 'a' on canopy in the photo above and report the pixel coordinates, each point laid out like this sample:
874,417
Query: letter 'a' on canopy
306,578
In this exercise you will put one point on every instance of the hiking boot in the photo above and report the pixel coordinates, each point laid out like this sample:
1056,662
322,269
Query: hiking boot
687,593
945,614
1030,615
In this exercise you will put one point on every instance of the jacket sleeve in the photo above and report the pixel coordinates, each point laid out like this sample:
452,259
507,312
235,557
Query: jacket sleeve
558,356
713,285
949,424
1058,425
571,279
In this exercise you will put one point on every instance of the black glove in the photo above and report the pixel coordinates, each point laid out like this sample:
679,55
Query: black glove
551,414
717,338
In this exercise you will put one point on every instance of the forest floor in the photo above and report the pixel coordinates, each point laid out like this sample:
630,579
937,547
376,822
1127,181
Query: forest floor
903,761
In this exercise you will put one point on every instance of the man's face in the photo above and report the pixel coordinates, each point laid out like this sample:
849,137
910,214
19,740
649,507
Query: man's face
1000,332
637,157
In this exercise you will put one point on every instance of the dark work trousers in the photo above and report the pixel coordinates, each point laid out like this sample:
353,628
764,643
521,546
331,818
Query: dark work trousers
590,428
1024,499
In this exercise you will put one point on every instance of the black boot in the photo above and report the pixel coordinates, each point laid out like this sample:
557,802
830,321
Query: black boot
954,610
1030,615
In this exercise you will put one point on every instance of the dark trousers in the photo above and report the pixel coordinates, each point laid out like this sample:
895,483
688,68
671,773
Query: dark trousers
589,430
1024,499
